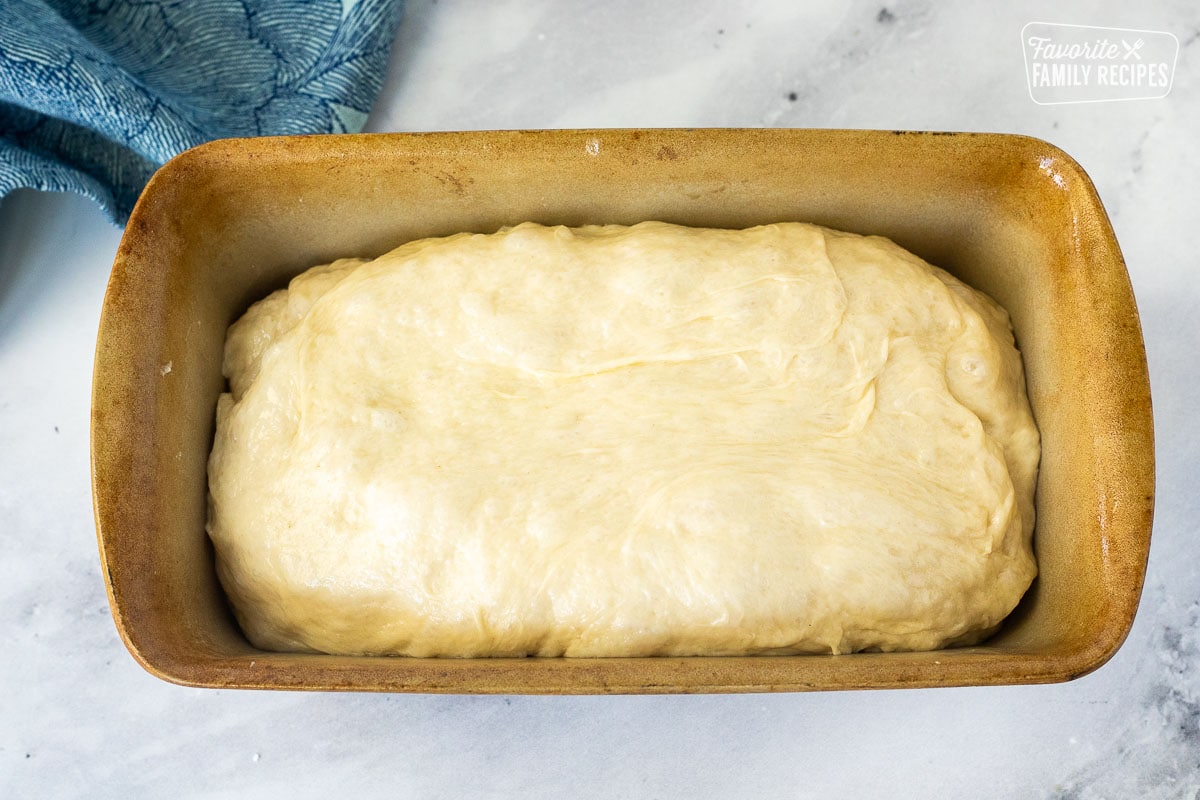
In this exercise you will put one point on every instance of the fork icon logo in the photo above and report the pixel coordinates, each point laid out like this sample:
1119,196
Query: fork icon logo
1132,49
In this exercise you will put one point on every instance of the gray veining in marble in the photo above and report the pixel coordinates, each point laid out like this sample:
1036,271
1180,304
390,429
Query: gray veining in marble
79,718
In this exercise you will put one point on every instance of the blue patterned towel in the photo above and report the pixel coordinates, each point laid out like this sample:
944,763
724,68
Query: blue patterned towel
96,94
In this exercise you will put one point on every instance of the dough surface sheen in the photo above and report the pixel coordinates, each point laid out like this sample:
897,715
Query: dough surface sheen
624,441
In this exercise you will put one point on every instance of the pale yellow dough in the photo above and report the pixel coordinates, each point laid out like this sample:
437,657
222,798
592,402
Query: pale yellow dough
624,441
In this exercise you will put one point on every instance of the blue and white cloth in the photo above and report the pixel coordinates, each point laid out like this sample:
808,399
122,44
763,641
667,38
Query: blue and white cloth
96,94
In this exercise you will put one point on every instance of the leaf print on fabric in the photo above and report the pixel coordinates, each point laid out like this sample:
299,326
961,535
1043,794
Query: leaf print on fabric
95,95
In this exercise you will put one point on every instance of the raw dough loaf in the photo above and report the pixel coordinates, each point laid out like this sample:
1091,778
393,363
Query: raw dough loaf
624,441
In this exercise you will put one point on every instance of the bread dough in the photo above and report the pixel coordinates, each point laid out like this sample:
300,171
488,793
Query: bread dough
624,441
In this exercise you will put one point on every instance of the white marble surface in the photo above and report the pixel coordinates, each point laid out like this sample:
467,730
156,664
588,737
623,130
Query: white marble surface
79,718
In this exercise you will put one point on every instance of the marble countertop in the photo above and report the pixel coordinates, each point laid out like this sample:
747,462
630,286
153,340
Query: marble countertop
80,718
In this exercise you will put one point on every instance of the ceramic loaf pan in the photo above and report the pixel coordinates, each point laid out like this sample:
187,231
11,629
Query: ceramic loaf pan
224,224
